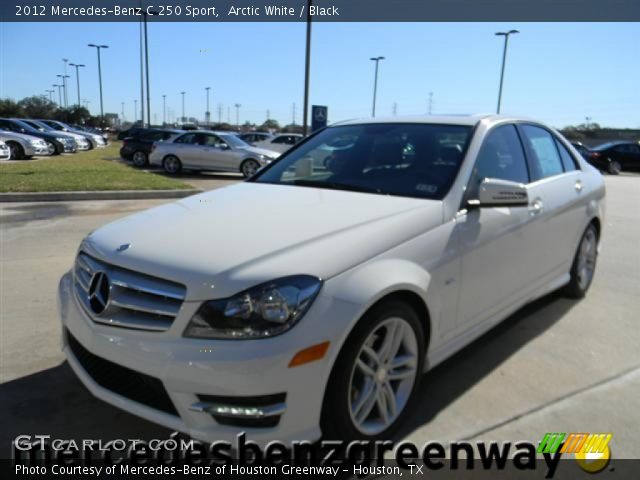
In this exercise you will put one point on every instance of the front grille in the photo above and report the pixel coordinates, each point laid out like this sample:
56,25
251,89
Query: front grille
133,385
130,299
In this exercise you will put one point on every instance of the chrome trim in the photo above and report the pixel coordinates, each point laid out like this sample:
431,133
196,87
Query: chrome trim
136,300
232,411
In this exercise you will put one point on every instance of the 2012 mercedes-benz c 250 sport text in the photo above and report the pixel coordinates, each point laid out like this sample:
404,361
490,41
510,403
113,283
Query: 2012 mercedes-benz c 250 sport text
308,300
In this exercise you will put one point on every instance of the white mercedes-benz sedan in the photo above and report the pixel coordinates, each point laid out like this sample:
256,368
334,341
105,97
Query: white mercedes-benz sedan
308,300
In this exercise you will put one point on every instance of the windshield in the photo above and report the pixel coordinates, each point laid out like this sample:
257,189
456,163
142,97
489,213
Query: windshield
412,160
234,141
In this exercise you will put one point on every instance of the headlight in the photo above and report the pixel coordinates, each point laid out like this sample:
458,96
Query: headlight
62,139
266,310
35,143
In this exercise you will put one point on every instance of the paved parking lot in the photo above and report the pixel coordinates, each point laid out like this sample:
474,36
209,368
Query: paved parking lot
556,365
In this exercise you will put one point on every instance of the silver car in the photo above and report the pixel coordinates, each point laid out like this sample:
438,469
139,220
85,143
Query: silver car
94,139
213,151
81,142
22,146
5,153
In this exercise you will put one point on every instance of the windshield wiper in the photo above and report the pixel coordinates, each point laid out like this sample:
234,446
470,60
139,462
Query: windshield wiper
337,186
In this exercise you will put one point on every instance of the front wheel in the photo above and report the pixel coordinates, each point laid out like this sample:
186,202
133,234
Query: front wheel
140,159
374,379
614,167
52,149
584,264
171,164
249,167
16,152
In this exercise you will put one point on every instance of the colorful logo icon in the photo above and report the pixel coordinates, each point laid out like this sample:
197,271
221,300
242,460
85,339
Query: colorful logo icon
591,450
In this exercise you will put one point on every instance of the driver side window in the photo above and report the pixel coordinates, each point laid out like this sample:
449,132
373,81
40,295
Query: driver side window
501,157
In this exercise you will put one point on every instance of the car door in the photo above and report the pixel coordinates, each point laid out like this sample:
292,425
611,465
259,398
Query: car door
216,153
556,199
628,155
185,147
492,239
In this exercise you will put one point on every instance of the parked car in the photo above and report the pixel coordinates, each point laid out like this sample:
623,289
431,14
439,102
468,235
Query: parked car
57,143
582,149
138,148
305,302
22,146
131,132
95,140
254,137
5,152
280,143
213,151
614,157
81,142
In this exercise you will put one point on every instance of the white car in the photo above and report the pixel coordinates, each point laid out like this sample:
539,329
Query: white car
209,151
280,143
309,300
5,152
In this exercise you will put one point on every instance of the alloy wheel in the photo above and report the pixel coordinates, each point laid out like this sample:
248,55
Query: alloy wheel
587,259
383,376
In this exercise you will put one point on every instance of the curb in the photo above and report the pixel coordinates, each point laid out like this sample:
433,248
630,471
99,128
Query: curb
96,195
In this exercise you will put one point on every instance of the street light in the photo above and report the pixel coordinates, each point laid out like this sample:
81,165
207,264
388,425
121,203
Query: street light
78,66
64,88
183,118
504,60
135,110
66,101
164,110
50,92
237,105
146,61
307,74
207,113
375,84
98,47
59,94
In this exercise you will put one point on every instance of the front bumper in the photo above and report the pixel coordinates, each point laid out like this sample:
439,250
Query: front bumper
196,373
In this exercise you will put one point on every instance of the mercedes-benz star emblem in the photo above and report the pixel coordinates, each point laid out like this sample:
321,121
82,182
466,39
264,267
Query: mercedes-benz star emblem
99,290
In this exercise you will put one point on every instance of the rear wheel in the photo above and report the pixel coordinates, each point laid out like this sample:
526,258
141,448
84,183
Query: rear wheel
374,379
584,264
249,167
172,164
614,167
140,159
16,152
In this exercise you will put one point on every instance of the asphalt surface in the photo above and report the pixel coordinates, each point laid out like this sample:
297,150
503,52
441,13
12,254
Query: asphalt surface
557,365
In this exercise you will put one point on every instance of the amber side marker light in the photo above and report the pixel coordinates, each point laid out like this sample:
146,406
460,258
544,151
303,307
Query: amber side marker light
309,354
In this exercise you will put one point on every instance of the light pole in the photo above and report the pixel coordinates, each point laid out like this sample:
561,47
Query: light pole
504,60
66,101
183,118
307,70
98,47
59,95
78,66
164,110
122,104
64,89
50,92
375,84
237,105
146,61
135,110
207,114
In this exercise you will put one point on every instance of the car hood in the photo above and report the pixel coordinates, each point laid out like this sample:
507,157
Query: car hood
18,136
261,151
223,241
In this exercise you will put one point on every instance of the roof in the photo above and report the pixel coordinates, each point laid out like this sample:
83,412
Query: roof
469,120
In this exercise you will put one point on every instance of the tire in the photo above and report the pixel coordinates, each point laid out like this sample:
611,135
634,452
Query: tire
344,413
614,167
249,167
16,152
584,264
172,164
53,150
139,159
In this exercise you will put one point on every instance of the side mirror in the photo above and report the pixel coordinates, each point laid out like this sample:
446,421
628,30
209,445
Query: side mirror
494,192
223,146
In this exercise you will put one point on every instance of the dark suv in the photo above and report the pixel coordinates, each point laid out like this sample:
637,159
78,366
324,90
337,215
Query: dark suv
56,142
138,148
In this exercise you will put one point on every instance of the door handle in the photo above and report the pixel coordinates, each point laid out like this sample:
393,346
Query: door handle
536,207
578,186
